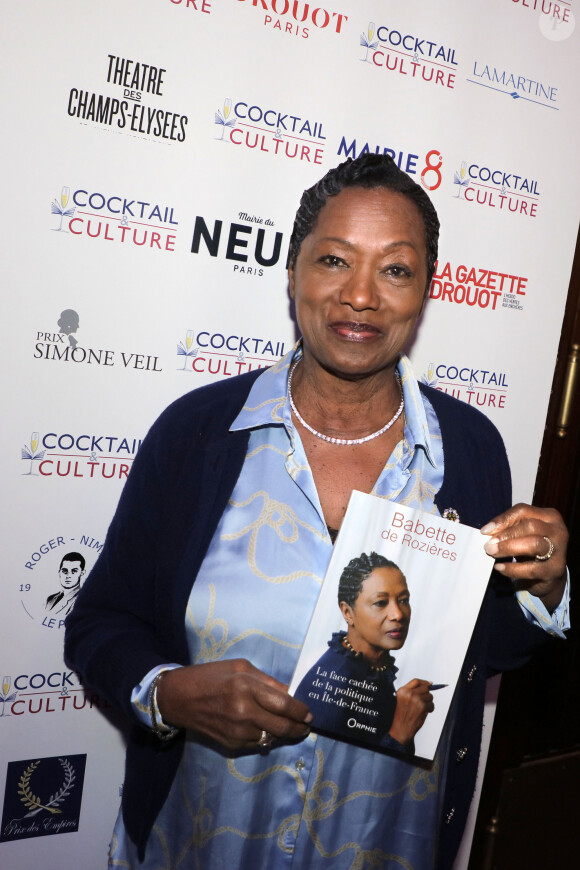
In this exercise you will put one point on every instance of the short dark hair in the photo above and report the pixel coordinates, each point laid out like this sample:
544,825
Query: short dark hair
369,171
73,557
357,571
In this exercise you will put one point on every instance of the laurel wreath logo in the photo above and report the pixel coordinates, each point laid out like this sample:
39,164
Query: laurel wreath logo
32,802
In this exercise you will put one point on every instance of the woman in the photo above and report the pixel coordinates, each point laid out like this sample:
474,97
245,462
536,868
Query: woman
192,620
374,600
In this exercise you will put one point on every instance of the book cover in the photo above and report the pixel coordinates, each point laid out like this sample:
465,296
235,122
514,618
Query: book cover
391,626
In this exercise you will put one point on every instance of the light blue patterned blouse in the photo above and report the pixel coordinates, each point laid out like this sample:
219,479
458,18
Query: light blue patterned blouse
320,803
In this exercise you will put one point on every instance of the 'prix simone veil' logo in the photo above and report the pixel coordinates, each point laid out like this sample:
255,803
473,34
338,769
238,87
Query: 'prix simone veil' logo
42,797
63,346
226,355
407,54
270,131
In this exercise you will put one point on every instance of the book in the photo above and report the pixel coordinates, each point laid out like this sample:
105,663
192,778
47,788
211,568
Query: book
399,628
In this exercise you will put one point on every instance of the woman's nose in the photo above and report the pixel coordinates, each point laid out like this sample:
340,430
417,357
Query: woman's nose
360,291
394,612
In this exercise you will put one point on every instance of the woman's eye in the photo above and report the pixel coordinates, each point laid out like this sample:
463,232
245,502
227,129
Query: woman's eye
398,271
331,260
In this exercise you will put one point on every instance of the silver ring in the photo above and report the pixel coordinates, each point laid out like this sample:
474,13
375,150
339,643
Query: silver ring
548,554
266,739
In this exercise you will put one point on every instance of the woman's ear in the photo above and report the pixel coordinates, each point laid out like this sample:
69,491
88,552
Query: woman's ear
347,612
291,281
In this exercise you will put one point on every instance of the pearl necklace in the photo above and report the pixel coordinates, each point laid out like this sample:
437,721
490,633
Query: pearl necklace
378,668
343,441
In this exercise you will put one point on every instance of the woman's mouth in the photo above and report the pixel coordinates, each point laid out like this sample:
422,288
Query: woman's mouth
354,331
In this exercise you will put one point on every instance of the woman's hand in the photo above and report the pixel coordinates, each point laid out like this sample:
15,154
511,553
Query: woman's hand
525,532
414,703
232,702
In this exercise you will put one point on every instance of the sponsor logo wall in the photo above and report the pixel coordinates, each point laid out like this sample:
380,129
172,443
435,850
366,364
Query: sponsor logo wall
146,217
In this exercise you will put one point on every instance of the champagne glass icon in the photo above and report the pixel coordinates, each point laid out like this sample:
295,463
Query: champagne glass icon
64,198
188,343
461,178
61,208
222,118
30,452
366,40
5,696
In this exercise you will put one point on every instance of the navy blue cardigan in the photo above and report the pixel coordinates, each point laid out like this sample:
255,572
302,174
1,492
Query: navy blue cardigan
130,614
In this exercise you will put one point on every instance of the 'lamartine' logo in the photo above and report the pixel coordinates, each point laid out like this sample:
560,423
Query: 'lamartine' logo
496,188
415,57
42,797
213,353
513,84
270,131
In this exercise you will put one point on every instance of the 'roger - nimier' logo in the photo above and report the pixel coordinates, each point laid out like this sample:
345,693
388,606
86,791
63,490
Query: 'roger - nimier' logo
497,188
214,353
134,223
42,797
406,54
482,387
270,131
52,575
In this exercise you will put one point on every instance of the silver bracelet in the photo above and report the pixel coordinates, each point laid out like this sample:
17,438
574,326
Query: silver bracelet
160,729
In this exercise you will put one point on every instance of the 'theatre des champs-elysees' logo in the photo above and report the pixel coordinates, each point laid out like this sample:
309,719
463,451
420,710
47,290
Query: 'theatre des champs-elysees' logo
484,388
84,456
297,17
276,132
42,796
52,575
497,188
63,346
222,355
474,287
416,57
134,223
132,81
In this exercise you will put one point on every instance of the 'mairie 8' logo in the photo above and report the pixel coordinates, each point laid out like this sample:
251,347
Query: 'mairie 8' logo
43,796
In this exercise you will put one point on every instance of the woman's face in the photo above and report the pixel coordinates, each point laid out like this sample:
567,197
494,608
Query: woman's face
359,281
379,619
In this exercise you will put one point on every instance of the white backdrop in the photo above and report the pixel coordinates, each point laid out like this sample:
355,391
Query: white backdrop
154,155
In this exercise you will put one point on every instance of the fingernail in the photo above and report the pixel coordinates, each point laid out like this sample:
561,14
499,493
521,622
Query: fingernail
308,719
491,547
488,528
500,566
